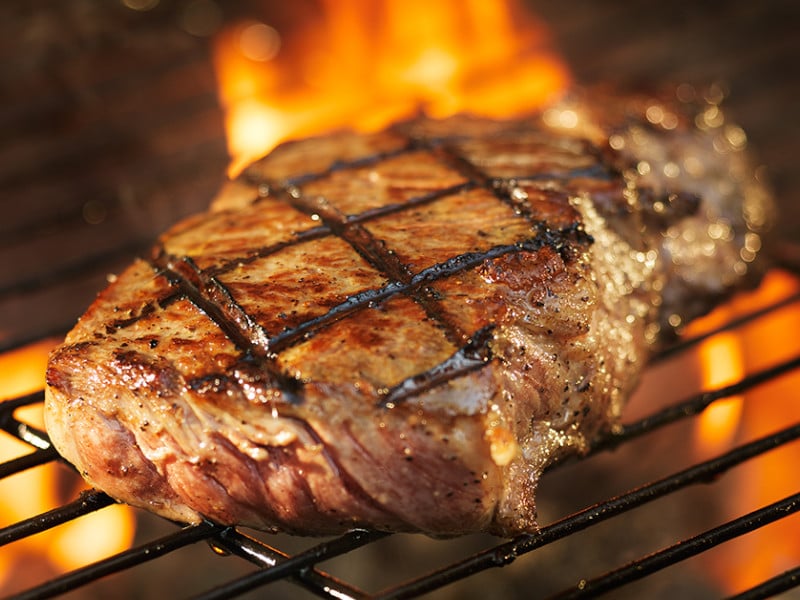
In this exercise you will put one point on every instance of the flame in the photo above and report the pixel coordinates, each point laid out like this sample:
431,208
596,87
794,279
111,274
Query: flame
363,64
43,488
722,363
766,552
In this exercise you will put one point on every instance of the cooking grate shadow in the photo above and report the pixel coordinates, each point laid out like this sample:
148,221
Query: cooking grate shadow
303,567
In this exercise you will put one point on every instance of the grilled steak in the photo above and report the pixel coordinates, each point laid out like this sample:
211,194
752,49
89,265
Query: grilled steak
401,330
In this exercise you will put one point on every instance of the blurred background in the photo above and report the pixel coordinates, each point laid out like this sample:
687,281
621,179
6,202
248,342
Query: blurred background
112,128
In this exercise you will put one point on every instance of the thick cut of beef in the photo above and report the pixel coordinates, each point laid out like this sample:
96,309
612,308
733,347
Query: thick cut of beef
400,330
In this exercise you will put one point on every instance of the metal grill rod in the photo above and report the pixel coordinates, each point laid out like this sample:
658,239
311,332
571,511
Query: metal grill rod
693,406
638,569
27,433
118,562
28,461
322,584
735,323
780,583
294,565
88,502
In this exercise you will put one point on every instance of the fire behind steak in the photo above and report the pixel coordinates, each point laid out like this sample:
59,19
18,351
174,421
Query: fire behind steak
400,330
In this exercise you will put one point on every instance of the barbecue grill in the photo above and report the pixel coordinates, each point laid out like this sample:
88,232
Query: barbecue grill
609,523
304,568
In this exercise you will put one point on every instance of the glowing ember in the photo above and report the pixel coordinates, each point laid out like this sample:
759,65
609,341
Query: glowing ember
43,488
364,64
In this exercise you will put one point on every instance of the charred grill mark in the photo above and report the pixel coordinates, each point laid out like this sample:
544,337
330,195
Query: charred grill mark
448,268
500,187
117,324
382,211
314,233
146,310
339,165
504,189
599,171
208,294
349,165
211,297
474,355
245,377
212,383
565,239
169,299
376,254
321,231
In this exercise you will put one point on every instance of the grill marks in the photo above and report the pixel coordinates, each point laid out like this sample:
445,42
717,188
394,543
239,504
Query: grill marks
376,254
211,297
214,299
472,349
473,356
372,297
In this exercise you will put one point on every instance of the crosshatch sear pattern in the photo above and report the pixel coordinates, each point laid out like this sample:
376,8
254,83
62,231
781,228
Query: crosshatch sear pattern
395,330
373,250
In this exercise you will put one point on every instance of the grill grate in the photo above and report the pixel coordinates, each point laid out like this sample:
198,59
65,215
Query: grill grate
302,568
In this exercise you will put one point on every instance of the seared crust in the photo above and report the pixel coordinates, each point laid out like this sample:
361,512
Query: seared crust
397,330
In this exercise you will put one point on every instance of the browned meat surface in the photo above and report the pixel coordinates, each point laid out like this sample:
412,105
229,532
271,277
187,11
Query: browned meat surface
401,330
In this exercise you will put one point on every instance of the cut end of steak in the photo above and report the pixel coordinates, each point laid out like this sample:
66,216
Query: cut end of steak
401,330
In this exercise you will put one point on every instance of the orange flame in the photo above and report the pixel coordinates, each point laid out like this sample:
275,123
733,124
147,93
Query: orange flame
39,489
363,64
766,552
722,363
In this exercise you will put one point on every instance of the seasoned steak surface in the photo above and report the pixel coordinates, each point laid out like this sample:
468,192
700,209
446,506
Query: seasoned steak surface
400,330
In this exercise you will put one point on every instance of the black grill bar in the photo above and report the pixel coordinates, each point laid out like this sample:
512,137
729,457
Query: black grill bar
39,439
88,502
772,587
25,432
693,406
643,567
119,562
504,554
28,461
296,566
322,584
44,452
735,323
7,407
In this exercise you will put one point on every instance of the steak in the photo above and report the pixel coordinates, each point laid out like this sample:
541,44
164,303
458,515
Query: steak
400,330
